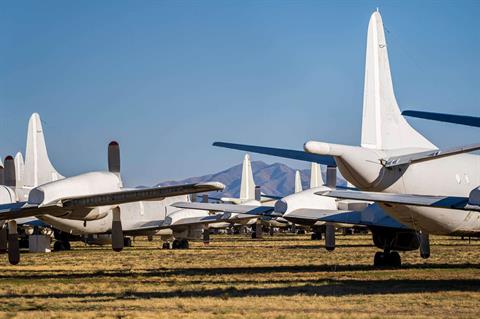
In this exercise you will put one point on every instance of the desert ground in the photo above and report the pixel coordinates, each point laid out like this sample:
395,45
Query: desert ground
284,276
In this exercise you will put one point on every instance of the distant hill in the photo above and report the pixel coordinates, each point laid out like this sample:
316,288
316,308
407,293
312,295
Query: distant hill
275,179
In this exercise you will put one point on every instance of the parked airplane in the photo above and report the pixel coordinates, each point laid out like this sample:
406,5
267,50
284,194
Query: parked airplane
94,202
422,187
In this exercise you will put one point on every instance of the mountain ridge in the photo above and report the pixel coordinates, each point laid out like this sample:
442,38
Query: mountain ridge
275,179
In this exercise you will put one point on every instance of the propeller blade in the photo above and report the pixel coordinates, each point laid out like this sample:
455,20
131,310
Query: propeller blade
3,239
13,244
114,157
331,176
9,172
117,231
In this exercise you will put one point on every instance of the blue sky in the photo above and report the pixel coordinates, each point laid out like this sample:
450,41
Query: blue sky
167,78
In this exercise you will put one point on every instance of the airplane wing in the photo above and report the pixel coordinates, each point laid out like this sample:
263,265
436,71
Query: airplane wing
141,194
230,208
204,220
281,152
443,117
372,216
25,209
452,202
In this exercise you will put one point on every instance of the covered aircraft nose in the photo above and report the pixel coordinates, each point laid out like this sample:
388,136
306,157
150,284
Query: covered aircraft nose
281,206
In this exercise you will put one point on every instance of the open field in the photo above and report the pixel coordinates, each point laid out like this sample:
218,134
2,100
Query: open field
281,277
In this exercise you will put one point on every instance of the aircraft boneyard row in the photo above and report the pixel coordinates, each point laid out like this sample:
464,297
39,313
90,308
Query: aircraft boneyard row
391,172
395,165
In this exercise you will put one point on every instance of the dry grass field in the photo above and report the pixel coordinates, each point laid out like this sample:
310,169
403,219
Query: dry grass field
284,276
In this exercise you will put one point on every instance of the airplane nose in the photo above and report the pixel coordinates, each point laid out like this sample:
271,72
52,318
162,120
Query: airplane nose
281,206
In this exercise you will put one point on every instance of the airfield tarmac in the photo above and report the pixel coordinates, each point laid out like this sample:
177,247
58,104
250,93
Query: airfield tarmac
284,276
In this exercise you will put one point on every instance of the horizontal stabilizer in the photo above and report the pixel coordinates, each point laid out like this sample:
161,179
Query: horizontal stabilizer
280,152
428,155
452,202
444,117
229,208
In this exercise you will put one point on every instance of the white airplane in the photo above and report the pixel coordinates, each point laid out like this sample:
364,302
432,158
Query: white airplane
427,189
94,202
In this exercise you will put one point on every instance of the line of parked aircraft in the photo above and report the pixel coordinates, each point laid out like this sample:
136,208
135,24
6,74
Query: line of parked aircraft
402,187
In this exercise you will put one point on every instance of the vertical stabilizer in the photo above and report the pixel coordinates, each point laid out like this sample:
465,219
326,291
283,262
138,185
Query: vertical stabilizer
19,170
298,182
247,186
316,179
383,126
38,168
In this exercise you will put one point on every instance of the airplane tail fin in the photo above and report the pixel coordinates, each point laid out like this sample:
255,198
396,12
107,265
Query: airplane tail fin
383,126
298,182
38,168
19,170
316,179
247,186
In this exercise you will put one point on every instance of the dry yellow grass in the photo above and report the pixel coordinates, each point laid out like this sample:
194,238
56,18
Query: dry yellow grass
281,277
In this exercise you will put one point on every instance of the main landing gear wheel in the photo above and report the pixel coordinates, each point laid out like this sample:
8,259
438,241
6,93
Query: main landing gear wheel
166,245
387,259
61,245
316,236
127,242
180,244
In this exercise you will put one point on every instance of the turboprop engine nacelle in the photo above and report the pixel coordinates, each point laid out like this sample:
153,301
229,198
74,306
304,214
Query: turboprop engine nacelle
93,183
305,200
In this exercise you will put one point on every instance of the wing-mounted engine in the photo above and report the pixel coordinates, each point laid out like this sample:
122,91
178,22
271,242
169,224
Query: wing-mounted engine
395,239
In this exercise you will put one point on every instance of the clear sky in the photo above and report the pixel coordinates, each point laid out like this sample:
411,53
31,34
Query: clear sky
167,78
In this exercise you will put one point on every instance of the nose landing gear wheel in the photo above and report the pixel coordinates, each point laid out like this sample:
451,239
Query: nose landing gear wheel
387,259
180,244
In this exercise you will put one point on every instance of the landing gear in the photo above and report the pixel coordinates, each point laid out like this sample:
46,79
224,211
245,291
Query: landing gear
127,242
180,244
387,259
166,245
61,245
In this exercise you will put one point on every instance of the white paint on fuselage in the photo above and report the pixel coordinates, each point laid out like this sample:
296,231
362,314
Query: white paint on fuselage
154,213
435,177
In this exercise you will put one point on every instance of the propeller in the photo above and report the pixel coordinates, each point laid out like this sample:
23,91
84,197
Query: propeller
13,244
331,176
3,238
2,174
114,167
114,157
329,227
258,193
9,172
117,230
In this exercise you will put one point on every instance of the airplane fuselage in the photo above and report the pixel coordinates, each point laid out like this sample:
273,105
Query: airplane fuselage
450,176
135,216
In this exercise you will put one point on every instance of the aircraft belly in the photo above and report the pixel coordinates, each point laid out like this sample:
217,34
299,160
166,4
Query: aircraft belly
437,221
